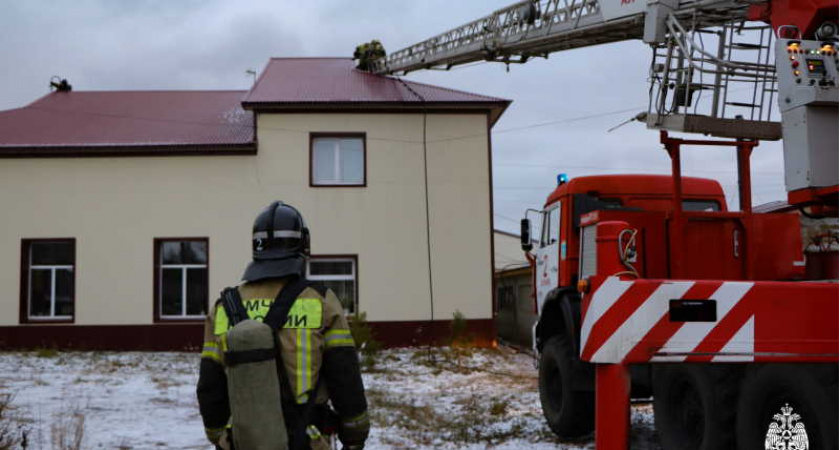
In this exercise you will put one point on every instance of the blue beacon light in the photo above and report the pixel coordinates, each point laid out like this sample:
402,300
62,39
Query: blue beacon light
562,178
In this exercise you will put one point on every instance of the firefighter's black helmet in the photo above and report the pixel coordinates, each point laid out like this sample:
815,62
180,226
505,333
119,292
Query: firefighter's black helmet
280,243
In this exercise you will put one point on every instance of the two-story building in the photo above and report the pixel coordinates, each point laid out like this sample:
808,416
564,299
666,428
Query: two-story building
124,213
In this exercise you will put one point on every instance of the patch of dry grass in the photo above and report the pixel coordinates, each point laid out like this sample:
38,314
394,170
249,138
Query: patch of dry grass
473,416
12,435
46,352
68,430
19,432
474,419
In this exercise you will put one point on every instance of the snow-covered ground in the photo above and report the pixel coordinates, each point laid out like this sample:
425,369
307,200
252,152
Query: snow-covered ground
419,399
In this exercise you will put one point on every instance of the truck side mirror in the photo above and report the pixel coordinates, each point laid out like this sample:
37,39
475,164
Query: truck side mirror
525,236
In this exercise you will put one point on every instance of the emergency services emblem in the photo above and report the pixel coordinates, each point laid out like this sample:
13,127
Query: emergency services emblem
786,432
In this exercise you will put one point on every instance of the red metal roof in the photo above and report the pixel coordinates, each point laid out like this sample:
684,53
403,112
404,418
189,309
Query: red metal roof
776,206
188,122
335,82
126,120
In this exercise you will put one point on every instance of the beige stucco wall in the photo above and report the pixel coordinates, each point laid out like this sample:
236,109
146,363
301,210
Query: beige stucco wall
115,207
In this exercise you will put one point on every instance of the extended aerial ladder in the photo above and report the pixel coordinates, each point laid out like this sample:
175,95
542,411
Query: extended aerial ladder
682,69
529,29
726,87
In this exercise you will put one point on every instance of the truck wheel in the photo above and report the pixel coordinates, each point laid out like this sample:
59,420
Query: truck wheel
810,389
694,405
569,413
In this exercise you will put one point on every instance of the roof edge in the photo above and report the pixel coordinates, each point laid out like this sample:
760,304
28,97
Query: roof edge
125,150
473,104
494,108
506,233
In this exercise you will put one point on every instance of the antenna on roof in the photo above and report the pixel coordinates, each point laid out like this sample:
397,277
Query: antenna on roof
253,73
60,84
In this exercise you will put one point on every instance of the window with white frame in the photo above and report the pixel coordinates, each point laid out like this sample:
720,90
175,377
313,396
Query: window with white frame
182,281
338,274
338,160
50,279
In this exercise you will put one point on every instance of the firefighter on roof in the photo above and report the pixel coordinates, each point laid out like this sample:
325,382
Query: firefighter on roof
240,389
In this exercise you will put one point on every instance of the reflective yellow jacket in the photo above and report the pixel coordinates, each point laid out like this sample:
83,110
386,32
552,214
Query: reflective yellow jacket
315,341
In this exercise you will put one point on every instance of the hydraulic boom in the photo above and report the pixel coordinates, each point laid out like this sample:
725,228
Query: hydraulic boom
536,28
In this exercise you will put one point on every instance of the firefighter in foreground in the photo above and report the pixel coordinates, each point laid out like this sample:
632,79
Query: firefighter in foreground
273,341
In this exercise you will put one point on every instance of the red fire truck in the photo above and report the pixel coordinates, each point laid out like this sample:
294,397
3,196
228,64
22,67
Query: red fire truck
563,254
632,270
650,283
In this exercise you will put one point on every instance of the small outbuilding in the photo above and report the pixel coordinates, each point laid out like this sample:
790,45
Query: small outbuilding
516,307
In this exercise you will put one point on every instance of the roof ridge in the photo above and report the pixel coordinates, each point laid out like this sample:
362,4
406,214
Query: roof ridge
4,111
43,97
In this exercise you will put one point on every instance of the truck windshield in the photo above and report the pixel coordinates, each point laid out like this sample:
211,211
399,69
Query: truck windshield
701,205
584,203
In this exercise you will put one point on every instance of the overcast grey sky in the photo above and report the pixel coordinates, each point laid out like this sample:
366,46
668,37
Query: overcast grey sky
109,45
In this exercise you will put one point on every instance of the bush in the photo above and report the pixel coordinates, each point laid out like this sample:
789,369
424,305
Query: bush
459,336
46,352
365,340
460,341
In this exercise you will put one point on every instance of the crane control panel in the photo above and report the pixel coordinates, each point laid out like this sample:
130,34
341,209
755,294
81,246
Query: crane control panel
807,72
807,77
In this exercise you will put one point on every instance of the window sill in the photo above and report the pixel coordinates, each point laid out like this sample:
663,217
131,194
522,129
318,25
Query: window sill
320,185
189,319
47,320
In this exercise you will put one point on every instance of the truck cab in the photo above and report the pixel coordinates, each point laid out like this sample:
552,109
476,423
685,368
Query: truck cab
566,382
684,234
556,256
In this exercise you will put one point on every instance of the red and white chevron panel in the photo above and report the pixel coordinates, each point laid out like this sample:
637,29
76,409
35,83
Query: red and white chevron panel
629,322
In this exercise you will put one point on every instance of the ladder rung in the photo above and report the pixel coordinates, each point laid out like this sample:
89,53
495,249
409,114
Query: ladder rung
744,105
747,46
